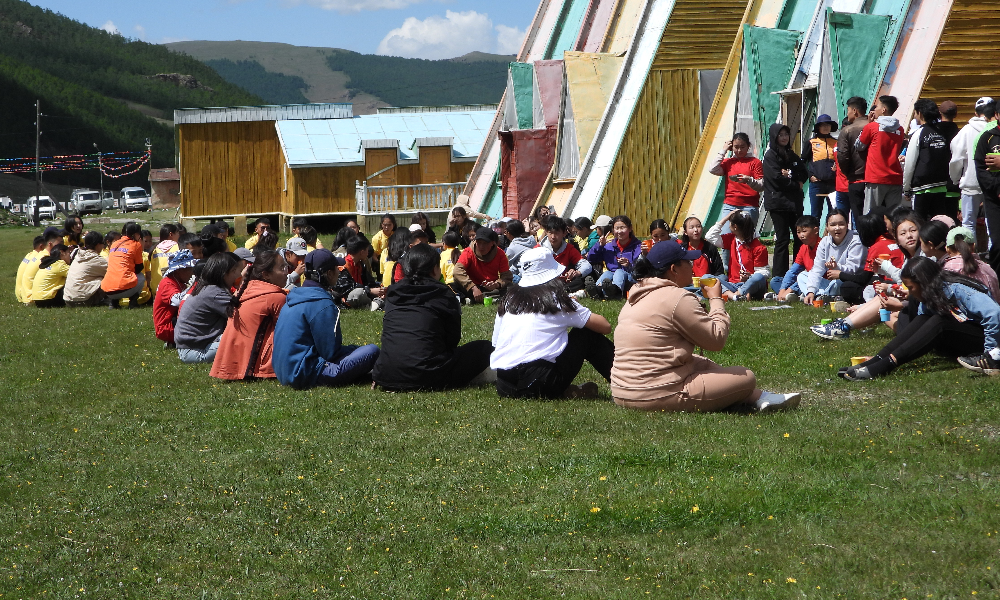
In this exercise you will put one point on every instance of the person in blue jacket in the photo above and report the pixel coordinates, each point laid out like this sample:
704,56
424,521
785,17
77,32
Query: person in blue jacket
956,317
308,342
617,258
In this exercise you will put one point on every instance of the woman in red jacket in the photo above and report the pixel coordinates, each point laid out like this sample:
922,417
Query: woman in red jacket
248,341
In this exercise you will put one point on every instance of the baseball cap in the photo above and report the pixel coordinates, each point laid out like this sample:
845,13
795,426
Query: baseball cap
982,102
298,246
602,221
538,266
416,227
666,253
322,261
485,233
245,254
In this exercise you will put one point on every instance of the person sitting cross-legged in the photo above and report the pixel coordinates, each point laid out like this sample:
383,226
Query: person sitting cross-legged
308,339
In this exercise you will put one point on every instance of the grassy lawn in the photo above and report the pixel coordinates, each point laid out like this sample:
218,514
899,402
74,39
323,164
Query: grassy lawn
129,475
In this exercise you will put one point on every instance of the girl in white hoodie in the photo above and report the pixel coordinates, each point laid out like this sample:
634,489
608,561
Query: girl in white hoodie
839,250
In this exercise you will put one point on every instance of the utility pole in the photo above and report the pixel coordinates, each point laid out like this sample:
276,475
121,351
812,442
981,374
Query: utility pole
100,167
38,151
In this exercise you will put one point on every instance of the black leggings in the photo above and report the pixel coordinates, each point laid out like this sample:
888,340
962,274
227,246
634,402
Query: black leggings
544,379
944,335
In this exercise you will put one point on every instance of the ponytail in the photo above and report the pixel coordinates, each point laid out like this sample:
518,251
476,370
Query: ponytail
263,263
970,266
54,255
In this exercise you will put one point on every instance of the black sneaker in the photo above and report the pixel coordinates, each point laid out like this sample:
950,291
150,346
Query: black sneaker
611,291
983,363
592,290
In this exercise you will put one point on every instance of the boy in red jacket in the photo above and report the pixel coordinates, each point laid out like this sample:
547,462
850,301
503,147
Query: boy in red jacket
880,143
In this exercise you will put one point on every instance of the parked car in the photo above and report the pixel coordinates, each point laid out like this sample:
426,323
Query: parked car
6,203
46,207
134,198
109,201
86,201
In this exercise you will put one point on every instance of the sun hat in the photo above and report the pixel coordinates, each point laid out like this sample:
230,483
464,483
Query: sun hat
245,254
538,266
959,231
486,233
667,253
602,221
825,119
298,246
181,259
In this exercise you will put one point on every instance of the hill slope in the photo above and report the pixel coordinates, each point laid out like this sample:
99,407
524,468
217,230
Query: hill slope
94,88
334,75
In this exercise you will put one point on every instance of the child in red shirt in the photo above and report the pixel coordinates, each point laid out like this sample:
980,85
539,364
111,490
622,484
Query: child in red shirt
748,268
482,268
789,287
166,303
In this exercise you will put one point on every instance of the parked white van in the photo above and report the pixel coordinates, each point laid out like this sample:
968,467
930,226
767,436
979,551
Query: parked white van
134,198
85,201
46,207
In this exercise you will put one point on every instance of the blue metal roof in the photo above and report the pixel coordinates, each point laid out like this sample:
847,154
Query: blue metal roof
337,142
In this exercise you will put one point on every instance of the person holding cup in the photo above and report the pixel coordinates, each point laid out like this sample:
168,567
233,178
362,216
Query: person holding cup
655,365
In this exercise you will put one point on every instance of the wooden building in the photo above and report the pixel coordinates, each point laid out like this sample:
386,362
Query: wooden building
321,160
229,159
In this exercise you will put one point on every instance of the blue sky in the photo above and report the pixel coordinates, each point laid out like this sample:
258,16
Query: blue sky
419,28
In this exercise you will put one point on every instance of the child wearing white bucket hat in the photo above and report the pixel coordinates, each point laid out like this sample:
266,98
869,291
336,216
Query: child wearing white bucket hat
533,354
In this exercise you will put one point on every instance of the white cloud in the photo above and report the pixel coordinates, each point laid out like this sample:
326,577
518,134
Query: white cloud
455,34
353,6
110,28
140,32
509,39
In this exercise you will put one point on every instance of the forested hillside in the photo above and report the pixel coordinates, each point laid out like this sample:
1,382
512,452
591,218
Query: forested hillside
274,88
418,82
83,77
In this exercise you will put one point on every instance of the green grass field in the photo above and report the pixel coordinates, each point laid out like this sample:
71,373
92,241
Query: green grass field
129,475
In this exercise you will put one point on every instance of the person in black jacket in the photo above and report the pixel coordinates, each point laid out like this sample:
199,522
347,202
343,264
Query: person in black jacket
421,331
784,174
987,159
926,173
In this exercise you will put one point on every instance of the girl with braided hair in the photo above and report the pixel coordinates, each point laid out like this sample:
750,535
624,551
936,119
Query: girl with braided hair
248,341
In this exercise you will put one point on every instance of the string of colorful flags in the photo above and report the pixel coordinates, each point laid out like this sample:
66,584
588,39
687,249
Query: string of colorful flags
111,164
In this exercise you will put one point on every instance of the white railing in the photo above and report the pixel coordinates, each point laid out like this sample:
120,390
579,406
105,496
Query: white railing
391,198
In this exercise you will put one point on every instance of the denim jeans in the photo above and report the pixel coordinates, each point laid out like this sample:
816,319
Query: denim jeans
776,286
817,203
970,211
726,209
830,287
755,286
348,365
622,279
194,355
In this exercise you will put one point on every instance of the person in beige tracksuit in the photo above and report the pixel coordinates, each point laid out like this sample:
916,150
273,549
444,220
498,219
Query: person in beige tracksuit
656,367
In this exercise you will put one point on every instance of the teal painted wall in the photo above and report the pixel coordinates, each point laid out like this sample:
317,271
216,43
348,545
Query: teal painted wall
567,29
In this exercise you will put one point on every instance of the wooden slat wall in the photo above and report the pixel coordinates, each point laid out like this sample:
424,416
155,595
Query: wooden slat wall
230,168
460,171
659,145
324,189
700,34
964,69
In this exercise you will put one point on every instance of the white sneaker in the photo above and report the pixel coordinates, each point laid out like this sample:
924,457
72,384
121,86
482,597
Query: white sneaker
770,402
791,297
770,296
